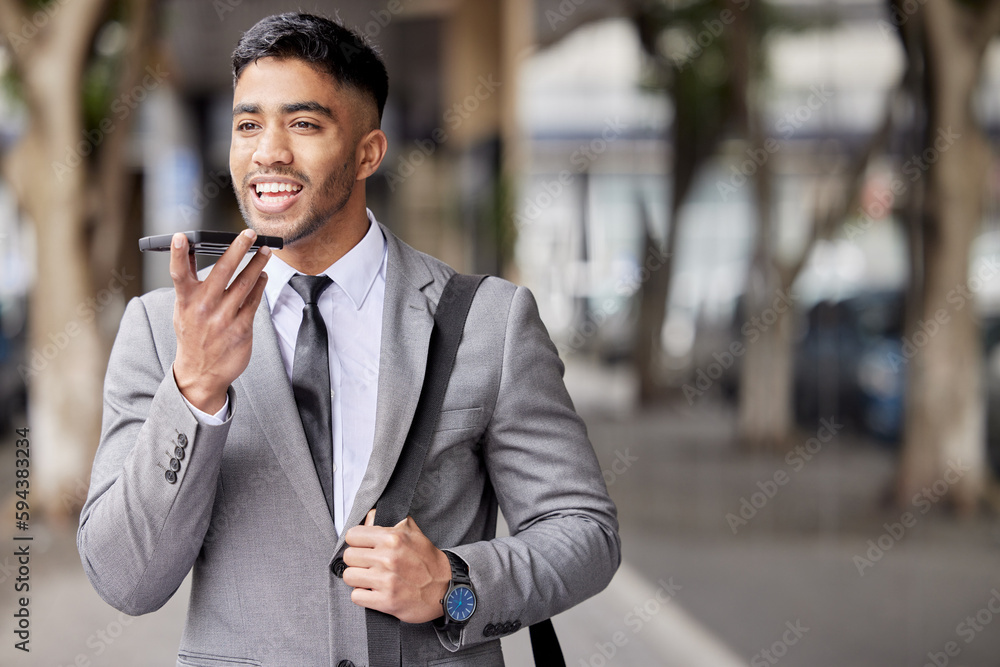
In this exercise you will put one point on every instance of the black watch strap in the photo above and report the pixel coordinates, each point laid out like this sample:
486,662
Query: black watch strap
459,571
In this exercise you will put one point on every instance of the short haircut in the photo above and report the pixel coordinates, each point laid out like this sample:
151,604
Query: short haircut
344,54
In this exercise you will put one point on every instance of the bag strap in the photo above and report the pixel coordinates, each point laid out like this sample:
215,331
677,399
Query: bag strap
394,504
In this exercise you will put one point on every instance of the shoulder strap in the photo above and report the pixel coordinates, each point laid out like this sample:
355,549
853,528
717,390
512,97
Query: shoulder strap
394,504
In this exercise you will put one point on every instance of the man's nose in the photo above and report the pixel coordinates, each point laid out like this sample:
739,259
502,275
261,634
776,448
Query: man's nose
272,148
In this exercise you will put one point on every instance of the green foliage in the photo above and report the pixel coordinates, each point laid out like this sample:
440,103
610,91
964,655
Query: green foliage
101,72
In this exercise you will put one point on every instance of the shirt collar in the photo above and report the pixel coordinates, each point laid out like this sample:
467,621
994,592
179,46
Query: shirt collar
354,273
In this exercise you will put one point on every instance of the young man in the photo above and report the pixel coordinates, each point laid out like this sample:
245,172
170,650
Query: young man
215,455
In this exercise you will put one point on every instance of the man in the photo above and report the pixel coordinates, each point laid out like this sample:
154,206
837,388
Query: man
206,463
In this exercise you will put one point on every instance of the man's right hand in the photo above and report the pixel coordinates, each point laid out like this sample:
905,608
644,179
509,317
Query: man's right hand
214,325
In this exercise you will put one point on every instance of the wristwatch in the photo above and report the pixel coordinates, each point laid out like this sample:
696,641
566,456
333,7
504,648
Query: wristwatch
459,602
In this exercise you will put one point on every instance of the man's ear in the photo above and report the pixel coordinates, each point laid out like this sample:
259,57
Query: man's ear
371,150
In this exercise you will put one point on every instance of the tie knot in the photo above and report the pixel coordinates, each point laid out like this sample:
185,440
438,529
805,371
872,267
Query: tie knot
309,287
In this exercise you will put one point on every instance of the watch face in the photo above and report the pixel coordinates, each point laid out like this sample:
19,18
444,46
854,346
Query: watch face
461,602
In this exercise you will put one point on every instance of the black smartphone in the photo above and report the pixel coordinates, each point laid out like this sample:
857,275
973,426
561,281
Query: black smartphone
204,242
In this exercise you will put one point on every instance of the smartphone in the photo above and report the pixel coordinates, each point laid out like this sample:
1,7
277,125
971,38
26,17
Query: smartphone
204,242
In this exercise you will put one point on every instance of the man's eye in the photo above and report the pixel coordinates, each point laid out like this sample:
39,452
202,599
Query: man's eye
246,126
305,125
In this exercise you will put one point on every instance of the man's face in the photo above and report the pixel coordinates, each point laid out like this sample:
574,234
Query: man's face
293,152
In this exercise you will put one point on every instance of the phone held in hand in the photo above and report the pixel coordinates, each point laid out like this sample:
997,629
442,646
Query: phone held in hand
205,242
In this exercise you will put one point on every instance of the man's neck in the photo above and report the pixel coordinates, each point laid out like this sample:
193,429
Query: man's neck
316,253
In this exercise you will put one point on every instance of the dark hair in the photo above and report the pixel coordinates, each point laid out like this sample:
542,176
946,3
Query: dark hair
344,54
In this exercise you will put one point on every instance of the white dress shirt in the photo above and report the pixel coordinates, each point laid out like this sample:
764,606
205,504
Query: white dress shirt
352,310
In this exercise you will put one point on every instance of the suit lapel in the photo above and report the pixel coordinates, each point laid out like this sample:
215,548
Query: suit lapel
266,386
406,330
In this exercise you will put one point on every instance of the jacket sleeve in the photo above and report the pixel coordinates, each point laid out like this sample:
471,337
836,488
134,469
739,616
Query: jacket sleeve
142,528
564,545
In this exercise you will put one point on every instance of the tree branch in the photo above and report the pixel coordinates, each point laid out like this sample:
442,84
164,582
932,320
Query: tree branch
829,217
12,14
110,213
74,26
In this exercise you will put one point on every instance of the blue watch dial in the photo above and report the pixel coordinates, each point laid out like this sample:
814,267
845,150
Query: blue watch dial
461,602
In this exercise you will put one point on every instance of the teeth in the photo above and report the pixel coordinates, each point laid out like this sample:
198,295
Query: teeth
277,187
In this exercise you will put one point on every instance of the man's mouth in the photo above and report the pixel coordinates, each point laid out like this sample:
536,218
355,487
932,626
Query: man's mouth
274,196
275,193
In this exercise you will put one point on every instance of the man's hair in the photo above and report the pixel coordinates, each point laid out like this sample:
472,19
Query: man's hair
344,54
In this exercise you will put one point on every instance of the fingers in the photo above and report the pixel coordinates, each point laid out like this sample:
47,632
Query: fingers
252,300
367,598
239,295
224,269
365,536
358,557
182,270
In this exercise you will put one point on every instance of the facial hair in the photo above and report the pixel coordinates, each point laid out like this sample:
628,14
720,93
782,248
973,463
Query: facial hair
329,200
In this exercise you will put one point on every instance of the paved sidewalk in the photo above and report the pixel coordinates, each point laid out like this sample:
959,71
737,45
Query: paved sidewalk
808,557
784,589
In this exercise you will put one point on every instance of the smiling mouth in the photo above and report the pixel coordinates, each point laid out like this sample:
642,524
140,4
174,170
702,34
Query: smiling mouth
276,193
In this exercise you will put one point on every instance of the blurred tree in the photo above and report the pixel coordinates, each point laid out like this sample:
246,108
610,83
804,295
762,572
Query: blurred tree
76,68
708,56
707,102
944,438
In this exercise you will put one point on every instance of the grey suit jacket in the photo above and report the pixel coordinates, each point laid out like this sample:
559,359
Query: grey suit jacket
247,513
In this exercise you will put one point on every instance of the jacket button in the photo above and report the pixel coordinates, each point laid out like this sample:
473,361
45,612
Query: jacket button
179,453
182,440
338,568
515,626
489,630
171,476
175,465
345,663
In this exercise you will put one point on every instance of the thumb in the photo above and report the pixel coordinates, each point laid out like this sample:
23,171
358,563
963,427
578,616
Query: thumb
370,518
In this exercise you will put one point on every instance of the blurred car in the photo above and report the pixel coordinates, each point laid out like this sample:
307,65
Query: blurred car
848,363
13,391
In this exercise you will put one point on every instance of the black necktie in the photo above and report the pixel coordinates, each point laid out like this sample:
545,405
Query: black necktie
311,379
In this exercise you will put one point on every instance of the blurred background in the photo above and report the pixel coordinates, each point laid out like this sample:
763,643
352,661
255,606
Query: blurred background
765,237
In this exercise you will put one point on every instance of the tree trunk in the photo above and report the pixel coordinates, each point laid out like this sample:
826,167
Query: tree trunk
944,447
765,408
50,173
765,405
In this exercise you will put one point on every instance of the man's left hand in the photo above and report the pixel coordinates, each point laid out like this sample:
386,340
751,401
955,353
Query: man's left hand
396,570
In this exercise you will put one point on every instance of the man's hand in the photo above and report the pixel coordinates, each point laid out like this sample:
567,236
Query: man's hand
396,570
214,325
